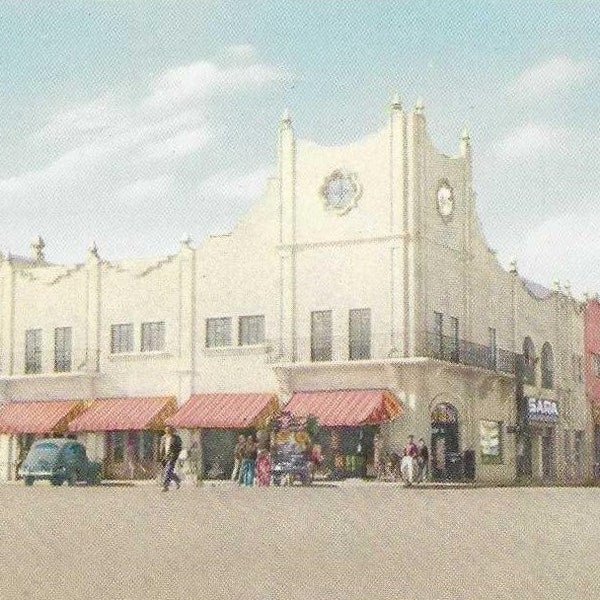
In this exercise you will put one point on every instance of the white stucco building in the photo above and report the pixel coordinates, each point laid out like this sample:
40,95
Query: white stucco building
362,267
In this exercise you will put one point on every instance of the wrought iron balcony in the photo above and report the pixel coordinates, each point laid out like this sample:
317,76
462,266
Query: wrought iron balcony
448,348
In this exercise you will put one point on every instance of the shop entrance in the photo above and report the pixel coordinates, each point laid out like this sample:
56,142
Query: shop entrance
548,454
446,460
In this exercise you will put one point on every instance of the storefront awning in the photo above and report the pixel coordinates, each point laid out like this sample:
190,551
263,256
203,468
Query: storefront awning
38,417
346,408
125,414
225,411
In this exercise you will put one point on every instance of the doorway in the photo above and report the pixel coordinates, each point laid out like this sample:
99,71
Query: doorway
548,454
446,459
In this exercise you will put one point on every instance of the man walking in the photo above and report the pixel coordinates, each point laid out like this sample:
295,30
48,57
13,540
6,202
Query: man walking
168,453
423,460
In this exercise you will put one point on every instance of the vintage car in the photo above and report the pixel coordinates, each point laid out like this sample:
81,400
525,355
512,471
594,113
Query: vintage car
58,460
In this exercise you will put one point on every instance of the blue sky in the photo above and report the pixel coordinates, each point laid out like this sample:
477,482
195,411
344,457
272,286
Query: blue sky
134,123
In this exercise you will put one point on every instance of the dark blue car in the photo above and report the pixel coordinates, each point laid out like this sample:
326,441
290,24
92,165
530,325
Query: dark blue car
58,460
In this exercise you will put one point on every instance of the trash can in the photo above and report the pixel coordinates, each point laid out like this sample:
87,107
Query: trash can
454,466
469,465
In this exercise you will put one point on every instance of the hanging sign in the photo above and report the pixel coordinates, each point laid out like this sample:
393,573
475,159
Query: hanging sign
539,409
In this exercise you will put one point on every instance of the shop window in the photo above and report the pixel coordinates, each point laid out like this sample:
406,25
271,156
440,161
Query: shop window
596,364
359,328
529,361
62,349
578,451
121,338
490,441
33,351
547,366
251,330
218,332
116,446
321,346
147,444
153,337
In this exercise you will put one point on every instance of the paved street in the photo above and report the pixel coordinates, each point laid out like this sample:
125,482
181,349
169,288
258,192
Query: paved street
360,541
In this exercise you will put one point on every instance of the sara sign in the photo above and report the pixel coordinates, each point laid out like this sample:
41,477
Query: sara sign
539,409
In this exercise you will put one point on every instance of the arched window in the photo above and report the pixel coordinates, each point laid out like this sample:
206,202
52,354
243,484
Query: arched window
547,366
529,361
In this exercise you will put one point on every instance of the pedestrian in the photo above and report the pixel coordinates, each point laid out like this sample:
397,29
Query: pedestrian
248,462
263,467
168,453
409,461
423,460
238,456
378,459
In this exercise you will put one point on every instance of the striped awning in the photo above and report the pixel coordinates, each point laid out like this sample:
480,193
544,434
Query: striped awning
346,408
38,416
125,414
225,411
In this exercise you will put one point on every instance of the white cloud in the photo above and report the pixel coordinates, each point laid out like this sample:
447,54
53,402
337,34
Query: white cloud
552,76
103,146
142,190
228,185
566,247
200,79
530,141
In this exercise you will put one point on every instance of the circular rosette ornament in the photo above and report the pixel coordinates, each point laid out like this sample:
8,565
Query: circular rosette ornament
340,191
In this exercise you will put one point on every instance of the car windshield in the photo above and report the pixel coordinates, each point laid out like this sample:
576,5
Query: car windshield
43,454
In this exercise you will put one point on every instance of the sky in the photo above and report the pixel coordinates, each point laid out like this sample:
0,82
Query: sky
136,123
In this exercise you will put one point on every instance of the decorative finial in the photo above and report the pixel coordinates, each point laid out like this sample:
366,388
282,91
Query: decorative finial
512,265
186,240
556,285
420,106
586,295
38,246
465,136
286,117
396,104
567,287
93,250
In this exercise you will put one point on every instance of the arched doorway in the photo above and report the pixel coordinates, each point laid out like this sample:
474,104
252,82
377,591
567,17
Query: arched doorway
446,460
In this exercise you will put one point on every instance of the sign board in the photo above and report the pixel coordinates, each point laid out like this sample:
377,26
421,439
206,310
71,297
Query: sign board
540,409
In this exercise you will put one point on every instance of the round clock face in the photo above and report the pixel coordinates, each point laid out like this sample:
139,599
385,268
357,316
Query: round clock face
340,191
445,200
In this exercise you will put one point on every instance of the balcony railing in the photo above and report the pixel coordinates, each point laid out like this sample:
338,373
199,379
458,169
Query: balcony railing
463,352
379,346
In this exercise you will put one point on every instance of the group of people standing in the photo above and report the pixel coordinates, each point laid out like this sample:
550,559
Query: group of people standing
412,465
252,462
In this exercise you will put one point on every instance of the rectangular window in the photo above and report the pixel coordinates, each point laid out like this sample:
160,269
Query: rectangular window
62,349
251,330
454,339
121,338
490,441
33,351
218,332
360,334
153,337
438,334
320,335
493,348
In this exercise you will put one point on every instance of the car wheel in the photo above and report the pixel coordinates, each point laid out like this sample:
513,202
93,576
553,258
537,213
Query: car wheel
72,479
56,481
28,481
